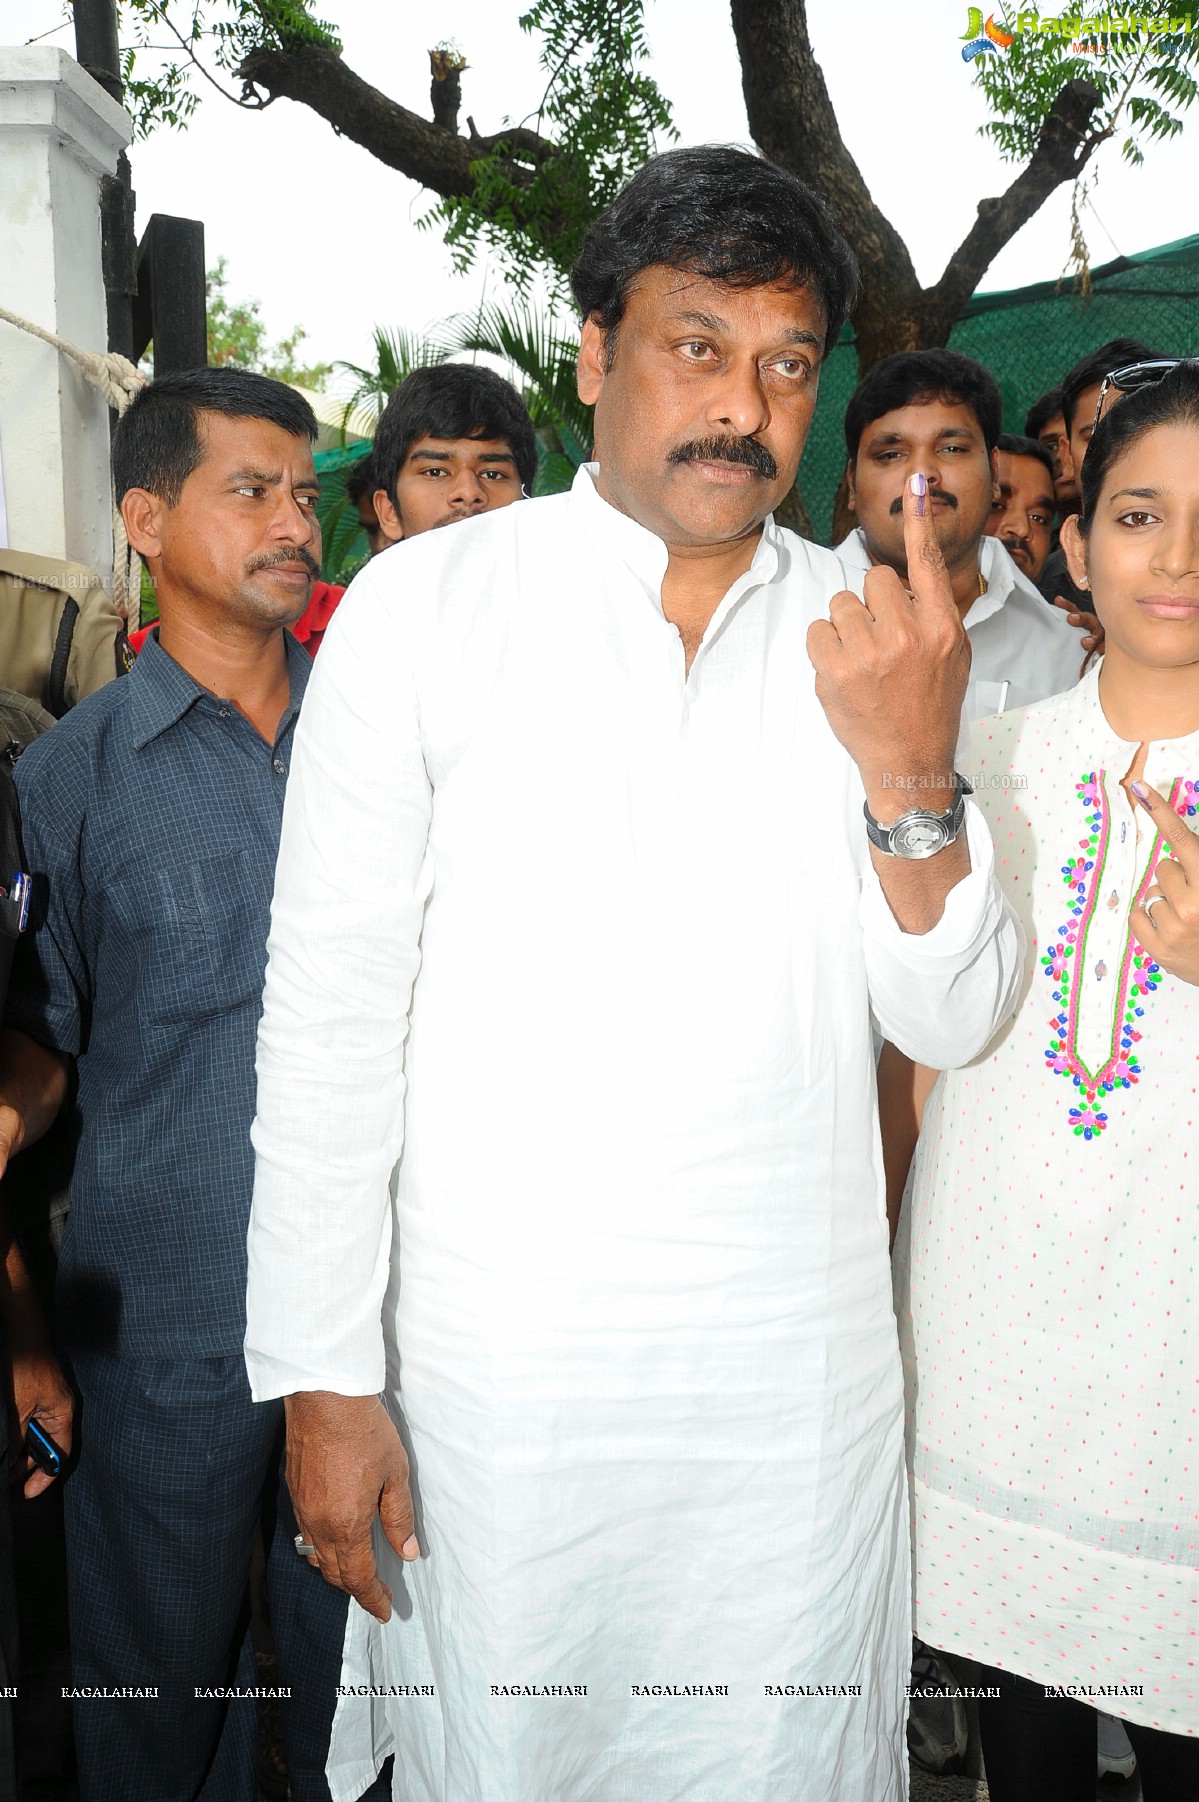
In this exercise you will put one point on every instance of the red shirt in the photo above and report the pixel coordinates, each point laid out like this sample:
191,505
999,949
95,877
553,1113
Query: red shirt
309,628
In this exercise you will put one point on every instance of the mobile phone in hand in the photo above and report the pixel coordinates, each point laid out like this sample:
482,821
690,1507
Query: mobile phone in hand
41,1448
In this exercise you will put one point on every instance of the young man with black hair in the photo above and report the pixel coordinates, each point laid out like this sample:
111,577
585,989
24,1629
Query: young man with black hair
455,440
360,492
592,1018
1046,422
937,413
1080,397
1022,516
151,819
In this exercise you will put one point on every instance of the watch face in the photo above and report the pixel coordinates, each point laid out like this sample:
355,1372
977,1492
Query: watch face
923,836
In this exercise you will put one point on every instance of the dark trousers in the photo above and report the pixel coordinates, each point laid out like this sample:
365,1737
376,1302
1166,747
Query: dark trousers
176,1468
1040,1748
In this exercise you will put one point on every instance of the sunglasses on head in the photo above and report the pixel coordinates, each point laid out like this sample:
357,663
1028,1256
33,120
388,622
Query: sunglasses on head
1136,375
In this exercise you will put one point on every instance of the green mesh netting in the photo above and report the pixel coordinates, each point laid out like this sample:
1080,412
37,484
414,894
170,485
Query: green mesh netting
1027,338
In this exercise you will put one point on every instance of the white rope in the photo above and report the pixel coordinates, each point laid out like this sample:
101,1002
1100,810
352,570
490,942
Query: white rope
117,380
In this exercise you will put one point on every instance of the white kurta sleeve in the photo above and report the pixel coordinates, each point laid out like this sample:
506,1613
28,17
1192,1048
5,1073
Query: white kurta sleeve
343,952
940,996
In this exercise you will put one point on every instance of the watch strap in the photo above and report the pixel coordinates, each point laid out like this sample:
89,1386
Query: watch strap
881,837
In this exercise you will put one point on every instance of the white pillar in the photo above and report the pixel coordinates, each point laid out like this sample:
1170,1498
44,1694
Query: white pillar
59,134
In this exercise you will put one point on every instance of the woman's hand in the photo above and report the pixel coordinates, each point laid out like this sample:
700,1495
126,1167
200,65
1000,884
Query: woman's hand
1167,921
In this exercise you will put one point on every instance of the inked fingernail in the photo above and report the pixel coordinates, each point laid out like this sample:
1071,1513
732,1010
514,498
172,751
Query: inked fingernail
1141,793
919,486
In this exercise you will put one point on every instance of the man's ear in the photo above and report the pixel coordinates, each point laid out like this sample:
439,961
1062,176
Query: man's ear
142,514
592,366
1069,473
387,516
1075,547
850,496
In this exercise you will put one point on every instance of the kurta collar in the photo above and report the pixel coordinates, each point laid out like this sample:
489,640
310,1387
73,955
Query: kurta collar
1100,747
645,554
161,691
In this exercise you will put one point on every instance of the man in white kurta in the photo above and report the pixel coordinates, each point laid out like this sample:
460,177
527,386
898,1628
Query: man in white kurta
567,1144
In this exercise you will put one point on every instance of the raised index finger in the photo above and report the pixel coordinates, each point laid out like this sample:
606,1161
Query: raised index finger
928,578
1174,830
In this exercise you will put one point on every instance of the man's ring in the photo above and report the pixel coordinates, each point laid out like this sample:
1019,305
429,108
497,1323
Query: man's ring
303,1548
1150,902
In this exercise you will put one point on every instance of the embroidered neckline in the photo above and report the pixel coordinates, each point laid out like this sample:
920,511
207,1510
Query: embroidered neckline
1064,961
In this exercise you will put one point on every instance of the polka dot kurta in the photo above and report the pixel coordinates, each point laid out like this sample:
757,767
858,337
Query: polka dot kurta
1046,1266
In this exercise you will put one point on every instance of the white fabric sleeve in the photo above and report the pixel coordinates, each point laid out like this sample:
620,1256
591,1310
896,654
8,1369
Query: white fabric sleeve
344,948
940,996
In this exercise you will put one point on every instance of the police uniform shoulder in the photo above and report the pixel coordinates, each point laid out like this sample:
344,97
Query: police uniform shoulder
82,731
61,574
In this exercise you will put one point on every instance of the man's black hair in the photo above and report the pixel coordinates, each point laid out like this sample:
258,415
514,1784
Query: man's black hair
452,400
721,213
923,375
158,442
1091,369
1172,401
1016,446
1043,409
360,479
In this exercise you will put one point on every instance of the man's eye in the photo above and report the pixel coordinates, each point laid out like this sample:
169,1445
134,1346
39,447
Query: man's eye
696,349
795,369
1040,519
435,470
307,500
248,488
496,475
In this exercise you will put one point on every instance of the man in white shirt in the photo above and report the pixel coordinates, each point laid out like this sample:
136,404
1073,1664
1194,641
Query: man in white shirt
579,933
938,413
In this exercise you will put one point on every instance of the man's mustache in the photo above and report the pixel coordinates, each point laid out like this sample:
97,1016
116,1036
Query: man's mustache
297,554
934,494
746,451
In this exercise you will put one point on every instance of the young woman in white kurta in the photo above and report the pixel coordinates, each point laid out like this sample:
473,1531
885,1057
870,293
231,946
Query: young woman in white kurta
1047,1266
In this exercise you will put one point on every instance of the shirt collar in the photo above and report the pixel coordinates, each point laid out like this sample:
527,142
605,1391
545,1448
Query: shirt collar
161,691
645,554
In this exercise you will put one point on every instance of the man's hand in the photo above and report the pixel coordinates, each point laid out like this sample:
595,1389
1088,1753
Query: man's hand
1168,925
891,675
33,1085
38,1385
12,1134
40,1391
345,1464
1089,624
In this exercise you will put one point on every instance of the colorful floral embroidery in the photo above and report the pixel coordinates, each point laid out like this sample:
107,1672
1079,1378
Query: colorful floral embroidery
1062,962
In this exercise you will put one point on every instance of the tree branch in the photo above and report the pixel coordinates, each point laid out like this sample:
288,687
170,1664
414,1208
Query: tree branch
428,153
1063,150
445,90
792,121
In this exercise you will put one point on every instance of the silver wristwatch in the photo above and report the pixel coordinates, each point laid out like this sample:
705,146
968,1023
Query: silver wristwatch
918,833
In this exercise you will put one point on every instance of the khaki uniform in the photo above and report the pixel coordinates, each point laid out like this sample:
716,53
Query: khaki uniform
35,592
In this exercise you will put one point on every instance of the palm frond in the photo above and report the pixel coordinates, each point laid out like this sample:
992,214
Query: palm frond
544,362
397,354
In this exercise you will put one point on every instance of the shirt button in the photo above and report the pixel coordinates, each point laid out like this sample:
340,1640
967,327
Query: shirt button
279,767
224,712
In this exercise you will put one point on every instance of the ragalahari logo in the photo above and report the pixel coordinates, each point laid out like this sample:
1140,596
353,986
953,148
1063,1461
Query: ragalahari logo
988,39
